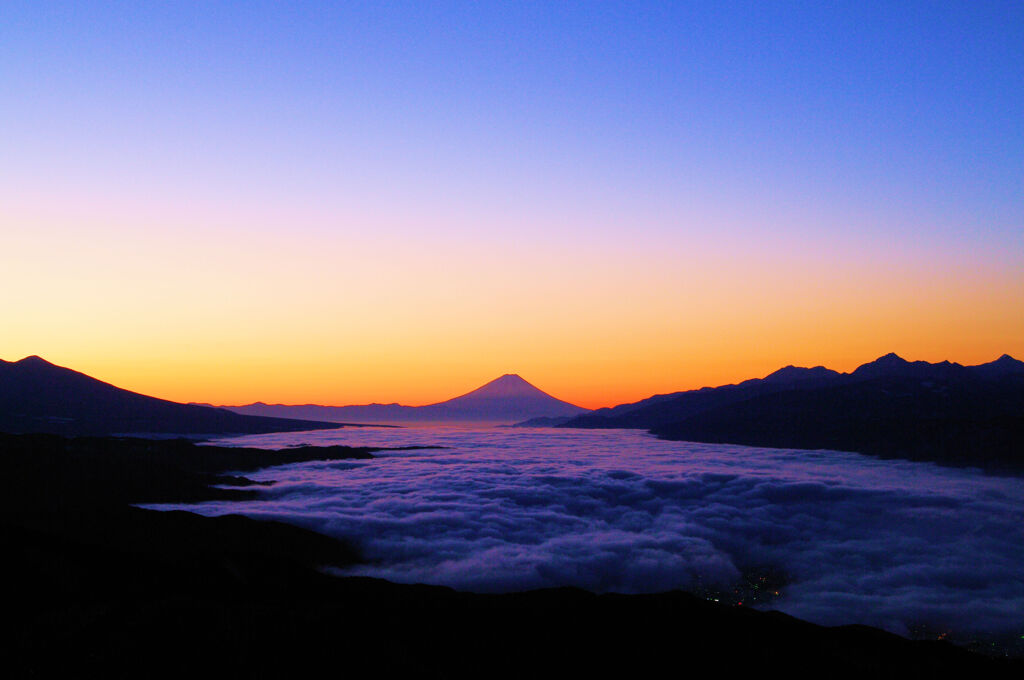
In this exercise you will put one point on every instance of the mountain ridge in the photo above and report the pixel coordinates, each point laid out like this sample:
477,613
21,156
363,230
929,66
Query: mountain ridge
793,374
37,396
943,412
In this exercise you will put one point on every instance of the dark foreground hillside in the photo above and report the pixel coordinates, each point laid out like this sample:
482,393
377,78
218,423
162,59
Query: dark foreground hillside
96,586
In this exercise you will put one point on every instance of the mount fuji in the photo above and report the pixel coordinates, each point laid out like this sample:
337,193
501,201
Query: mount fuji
505,400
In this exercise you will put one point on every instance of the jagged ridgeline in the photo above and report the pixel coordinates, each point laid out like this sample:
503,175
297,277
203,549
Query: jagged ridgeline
944,412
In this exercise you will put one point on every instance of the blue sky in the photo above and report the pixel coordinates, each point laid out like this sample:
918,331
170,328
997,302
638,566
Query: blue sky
918,105
736,140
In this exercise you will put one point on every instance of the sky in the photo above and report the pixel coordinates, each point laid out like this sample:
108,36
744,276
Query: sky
354,202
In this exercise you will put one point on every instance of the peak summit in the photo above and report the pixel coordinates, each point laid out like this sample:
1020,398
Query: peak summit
890,358
508,396
510,384
509,379
789,374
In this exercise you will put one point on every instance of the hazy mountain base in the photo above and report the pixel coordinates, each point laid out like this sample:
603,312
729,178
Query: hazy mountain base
543,422
99,586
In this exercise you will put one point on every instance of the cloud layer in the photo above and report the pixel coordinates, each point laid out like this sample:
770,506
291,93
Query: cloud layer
842,538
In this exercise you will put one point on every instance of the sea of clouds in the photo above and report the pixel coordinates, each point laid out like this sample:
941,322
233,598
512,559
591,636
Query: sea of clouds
914,548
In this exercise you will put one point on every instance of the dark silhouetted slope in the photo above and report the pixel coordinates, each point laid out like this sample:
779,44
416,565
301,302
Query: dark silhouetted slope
37,396
507,399
667,408
943,412
959,422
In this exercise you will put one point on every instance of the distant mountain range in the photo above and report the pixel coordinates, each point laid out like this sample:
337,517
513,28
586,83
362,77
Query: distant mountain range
505,400
37,396
942,412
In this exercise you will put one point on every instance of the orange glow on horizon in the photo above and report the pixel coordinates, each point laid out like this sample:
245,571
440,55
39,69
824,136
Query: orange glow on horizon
241,316
243,383
326,203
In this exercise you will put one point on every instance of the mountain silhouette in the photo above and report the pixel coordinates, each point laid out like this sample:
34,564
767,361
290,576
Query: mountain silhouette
943,412
794,374
505,400
37,396
666,408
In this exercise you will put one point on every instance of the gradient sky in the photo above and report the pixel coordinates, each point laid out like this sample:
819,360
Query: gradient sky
344,203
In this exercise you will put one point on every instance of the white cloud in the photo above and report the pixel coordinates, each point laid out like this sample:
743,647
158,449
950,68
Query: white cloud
845,538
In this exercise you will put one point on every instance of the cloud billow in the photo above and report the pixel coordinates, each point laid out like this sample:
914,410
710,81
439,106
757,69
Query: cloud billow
842,538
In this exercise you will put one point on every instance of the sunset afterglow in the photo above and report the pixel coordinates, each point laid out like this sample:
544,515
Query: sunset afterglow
565,339
342,205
